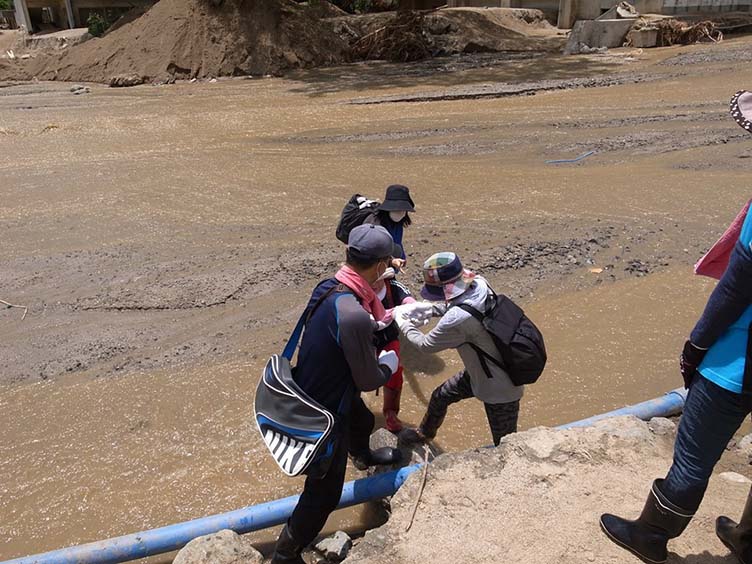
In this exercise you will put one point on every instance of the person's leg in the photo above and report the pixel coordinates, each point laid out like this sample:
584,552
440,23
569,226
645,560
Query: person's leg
361,426
453,390
319,498
711,417
502,419
392,393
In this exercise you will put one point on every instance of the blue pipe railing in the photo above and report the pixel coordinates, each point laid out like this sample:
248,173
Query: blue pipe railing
262,516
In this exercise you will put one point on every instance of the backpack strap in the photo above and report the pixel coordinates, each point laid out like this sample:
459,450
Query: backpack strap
483,356
292,343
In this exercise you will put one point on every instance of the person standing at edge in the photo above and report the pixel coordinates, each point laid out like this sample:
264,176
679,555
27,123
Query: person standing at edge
447,281
338,360
716,365
392,214
392,293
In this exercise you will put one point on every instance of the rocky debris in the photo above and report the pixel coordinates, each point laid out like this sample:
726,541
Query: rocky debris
80,89
125,80
662,426
745,445
224,547
335,547
498,504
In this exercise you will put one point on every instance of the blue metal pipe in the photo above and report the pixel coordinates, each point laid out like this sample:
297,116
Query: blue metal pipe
671,403
262,516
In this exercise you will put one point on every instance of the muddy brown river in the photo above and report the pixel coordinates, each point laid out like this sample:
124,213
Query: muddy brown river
165,239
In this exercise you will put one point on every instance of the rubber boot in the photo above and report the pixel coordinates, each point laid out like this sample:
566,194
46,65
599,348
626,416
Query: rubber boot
391,409
288,549
648,536
380,456
737,537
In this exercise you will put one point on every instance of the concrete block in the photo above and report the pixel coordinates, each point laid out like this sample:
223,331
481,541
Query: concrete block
643,38
598,33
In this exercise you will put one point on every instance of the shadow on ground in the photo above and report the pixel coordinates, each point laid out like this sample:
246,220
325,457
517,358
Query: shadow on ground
452,71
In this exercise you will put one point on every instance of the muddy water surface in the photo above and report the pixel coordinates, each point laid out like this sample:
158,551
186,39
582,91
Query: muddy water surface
165,239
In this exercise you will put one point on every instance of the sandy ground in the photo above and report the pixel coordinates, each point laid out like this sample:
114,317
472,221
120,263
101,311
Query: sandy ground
537,499
165,239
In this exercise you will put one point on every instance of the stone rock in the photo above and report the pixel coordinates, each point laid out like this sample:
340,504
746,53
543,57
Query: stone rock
745,445
411,454
224,547
662,426
735,477
76,87
335,547
125,80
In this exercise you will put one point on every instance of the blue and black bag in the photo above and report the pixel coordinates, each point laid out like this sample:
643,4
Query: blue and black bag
300,433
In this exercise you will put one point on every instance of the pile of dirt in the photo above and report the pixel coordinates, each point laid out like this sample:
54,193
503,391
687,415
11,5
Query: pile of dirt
537,499
178,39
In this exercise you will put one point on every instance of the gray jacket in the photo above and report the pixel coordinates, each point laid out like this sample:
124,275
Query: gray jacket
456,329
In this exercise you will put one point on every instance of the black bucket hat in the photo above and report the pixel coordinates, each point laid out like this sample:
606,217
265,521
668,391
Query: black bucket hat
741,109
397,199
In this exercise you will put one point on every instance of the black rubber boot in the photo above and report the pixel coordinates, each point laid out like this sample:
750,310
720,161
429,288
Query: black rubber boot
648,536
288,549
737,537
378,457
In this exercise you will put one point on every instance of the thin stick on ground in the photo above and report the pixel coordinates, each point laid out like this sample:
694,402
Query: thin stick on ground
420,490
9,305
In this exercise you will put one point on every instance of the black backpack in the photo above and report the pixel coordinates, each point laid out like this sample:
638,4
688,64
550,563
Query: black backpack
355,212
519,341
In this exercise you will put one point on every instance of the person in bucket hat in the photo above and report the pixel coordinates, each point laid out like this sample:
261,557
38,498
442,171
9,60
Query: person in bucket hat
449,284
716,365
393,215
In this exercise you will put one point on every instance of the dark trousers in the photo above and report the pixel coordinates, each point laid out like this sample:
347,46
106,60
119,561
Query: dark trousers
502,417
711,417
321,495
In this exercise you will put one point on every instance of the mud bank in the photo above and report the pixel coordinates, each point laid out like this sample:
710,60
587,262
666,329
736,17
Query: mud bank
537,498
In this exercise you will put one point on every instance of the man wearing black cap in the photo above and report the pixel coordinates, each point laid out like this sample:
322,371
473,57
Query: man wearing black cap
338,360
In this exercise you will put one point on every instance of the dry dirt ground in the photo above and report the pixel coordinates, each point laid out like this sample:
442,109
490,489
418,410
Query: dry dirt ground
165,239
537,499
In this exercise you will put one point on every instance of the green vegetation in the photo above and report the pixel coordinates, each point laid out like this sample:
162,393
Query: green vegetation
6,5
100,21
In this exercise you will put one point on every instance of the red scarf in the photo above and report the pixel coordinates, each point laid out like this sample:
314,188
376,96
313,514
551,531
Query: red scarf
368,298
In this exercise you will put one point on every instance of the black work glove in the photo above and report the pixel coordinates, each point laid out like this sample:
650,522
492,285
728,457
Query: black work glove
691,357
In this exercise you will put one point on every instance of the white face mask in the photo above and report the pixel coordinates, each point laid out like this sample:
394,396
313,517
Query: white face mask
397,216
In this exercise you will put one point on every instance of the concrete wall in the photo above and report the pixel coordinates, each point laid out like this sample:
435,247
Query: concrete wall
680,7
68,13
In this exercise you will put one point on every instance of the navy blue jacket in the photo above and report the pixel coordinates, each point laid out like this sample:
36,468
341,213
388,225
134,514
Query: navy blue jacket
337,358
